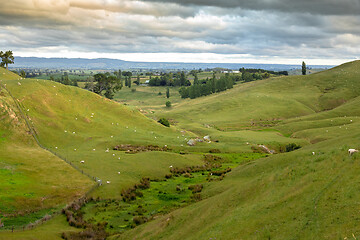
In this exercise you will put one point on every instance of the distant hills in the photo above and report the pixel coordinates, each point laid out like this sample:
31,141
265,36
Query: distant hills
105,63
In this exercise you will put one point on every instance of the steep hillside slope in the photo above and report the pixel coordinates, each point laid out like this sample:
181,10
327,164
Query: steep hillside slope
31,178
82,126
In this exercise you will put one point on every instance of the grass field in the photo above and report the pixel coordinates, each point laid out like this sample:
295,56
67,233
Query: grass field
310,193
33,181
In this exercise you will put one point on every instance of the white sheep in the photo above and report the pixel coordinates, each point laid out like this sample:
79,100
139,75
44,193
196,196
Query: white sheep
82,161
118,172
313,153
107,182
352,151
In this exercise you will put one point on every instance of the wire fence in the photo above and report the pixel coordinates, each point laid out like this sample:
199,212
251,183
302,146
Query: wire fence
34,134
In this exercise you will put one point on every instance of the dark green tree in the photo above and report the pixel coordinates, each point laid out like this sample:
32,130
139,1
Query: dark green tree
167,93
6,59
303,68
108,83
196,80
182,79
22,74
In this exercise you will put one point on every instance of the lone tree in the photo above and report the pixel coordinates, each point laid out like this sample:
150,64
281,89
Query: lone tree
6,59
167,93
303,69
108,83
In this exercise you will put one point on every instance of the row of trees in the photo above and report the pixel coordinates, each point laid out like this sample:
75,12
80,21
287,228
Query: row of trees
65,80
208,86
6,59
170,79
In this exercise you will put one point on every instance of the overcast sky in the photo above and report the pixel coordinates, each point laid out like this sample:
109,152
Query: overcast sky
244,31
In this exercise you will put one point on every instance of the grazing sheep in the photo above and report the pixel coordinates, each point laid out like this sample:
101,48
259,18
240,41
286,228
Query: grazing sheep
74,149
19,84
352,151
118,172
94,149
107,150
171,166
82,161
107,182
313,153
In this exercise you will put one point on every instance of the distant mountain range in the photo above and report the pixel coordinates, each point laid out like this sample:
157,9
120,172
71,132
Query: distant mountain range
107,64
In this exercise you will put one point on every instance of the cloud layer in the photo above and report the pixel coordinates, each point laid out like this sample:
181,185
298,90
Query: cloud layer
286,29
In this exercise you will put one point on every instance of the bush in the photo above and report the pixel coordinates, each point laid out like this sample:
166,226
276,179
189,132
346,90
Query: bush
133,90
168,104
291,147
164,122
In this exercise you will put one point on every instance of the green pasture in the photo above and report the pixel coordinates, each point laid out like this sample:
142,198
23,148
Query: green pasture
310,193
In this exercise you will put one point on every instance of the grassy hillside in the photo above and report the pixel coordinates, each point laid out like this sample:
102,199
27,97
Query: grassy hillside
310,193
32,179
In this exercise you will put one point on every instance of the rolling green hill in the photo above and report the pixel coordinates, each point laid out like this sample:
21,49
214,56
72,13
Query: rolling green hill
33,180
310,193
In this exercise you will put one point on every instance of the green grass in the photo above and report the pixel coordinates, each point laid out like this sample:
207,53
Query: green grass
294,195
160,198
48,231
32,179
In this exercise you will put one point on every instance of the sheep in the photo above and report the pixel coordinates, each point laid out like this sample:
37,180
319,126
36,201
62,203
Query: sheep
111,136
118,172
170,166
82,161
352,151
313,153
94,149
107,182
107,150
19,84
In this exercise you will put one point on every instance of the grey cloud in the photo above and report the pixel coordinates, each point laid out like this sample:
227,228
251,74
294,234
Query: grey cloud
229,27
323,7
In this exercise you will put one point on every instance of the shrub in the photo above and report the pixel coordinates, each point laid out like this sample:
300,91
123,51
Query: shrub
168,104
164,122
214,150
291,147
196,188
139,220
133,90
